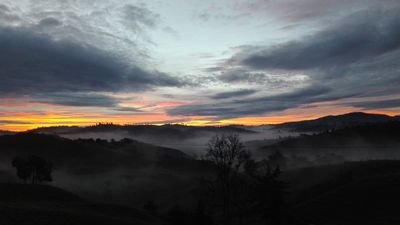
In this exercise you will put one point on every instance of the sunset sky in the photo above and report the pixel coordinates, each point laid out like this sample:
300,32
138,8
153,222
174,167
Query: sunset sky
80,62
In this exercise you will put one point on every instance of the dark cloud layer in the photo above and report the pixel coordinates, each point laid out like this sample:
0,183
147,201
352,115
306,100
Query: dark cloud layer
34,64
232,94
13,122
295,11
83,99
382,104
260,105
49,22
358,38
6,15
240,76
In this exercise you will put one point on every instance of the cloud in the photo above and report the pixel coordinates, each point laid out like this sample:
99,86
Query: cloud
305,10
233,94
258,105
34,64
382,104
113,26
273,80
361,37
83,99
354,58
243,76
3,122
37,63
137,16
49,22
7,16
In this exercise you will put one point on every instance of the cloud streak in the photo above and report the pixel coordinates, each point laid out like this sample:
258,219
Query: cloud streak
382,104
233,94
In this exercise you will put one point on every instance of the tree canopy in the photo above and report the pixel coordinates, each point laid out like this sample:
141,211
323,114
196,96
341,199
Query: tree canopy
33,168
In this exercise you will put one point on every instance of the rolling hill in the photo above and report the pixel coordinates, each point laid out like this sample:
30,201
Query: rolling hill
372,141
336,122
126,171
168,131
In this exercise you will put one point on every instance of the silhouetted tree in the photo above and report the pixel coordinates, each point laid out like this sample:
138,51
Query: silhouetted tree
34,168
23,169
228,154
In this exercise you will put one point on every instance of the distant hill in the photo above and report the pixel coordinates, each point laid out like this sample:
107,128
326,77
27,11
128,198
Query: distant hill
372,141
190,139
335,122
383,135
4,132
174,131
87,152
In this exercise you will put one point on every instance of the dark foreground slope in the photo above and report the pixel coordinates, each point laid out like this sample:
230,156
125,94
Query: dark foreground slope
41,204
125,172
346,194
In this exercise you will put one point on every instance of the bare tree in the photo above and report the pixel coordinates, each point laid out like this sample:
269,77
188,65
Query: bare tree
228,154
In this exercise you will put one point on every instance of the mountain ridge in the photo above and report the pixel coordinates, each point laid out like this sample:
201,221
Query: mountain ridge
337,121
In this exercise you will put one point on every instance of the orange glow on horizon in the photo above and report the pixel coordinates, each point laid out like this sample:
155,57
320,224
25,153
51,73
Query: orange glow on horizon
26,121
45,115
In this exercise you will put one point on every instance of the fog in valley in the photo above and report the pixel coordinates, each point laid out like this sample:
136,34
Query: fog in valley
195,145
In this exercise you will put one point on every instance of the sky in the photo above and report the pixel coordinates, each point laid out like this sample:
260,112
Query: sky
70,62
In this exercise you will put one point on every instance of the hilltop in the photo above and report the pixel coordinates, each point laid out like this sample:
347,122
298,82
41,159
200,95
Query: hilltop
339,121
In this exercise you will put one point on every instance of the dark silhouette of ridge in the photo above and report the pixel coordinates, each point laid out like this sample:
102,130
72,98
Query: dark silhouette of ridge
382,135
178,129
338,121
354,143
